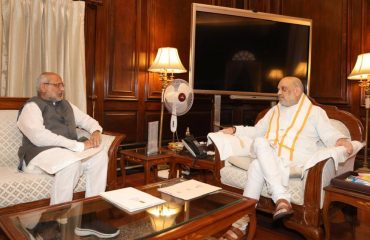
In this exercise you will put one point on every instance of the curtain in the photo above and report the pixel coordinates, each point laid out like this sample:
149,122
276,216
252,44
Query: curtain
43,36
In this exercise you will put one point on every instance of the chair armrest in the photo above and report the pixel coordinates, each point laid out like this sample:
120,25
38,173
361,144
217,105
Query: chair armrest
313,185
219,164
112,182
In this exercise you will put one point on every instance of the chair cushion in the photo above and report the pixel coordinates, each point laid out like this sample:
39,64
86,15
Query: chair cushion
18,187
243,163
237,177
240,162
10,139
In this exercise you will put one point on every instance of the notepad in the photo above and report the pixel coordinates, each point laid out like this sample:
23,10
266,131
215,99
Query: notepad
131,199
189,189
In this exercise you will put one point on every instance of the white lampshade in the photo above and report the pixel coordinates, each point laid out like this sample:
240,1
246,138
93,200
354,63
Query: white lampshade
167,60
362,67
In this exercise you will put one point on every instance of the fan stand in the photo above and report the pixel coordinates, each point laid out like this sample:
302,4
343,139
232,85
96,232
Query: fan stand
175,145
165,80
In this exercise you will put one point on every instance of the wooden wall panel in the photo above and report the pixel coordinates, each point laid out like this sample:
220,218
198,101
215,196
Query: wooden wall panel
122,38
122,46
239,112
329,41
90,33
122,121
355,46
270,6
197,121
124,24
168,26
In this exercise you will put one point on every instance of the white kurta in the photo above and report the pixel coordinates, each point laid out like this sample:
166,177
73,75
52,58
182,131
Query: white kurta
275,170
31,124
317,130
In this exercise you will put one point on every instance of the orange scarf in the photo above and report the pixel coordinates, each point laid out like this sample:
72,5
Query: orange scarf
287,141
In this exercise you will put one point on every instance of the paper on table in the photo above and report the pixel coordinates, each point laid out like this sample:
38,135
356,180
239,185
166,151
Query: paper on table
189,189
131,199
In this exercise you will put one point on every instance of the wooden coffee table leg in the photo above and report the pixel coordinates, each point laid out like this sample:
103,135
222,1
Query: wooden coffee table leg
252,226
173,170
146,172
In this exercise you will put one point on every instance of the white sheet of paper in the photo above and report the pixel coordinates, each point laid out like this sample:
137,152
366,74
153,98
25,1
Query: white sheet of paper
131,199
55,159
189,189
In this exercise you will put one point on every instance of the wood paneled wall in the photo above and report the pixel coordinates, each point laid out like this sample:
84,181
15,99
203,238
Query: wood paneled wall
122,38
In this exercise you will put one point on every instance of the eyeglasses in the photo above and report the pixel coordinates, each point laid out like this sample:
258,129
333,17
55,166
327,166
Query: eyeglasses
58,85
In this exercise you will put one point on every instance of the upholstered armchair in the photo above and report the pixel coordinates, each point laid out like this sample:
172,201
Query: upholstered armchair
307,192
20,191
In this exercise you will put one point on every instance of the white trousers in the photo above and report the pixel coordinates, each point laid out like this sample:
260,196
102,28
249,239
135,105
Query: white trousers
266,167
65,180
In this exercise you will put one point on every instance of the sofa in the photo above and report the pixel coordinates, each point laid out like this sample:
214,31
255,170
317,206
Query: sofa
306,191
20,191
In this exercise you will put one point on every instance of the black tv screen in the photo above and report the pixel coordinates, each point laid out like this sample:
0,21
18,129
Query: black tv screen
240,52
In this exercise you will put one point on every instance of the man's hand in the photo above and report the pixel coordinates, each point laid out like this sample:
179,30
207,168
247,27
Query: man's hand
230,130
345,143
94,141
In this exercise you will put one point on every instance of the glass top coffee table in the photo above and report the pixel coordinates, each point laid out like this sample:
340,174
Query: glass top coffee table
194,219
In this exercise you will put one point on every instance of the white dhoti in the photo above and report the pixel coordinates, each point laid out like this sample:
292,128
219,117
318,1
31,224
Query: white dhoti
66,179
267,166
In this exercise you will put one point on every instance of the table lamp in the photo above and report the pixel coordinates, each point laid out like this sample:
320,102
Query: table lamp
361,72
166,62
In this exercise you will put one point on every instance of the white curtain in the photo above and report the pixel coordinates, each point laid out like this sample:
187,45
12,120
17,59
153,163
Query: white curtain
43,36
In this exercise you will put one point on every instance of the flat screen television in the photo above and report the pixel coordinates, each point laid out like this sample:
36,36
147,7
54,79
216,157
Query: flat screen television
241,52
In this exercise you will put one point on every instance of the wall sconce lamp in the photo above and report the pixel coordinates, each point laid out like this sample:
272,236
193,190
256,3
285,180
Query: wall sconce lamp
301,69
166,62
361,72
275,74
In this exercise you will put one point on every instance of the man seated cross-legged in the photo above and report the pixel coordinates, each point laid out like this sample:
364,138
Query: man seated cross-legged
286,136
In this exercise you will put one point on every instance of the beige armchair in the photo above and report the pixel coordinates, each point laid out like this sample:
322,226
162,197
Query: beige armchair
21,191
307,193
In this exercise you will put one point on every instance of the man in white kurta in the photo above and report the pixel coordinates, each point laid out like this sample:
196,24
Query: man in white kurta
48,124
31,124
285,137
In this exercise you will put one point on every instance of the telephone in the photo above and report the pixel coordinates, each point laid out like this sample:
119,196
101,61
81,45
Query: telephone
194,147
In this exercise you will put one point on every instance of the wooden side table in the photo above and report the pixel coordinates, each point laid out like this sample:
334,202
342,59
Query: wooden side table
148,161
173,159
184,158
334,194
